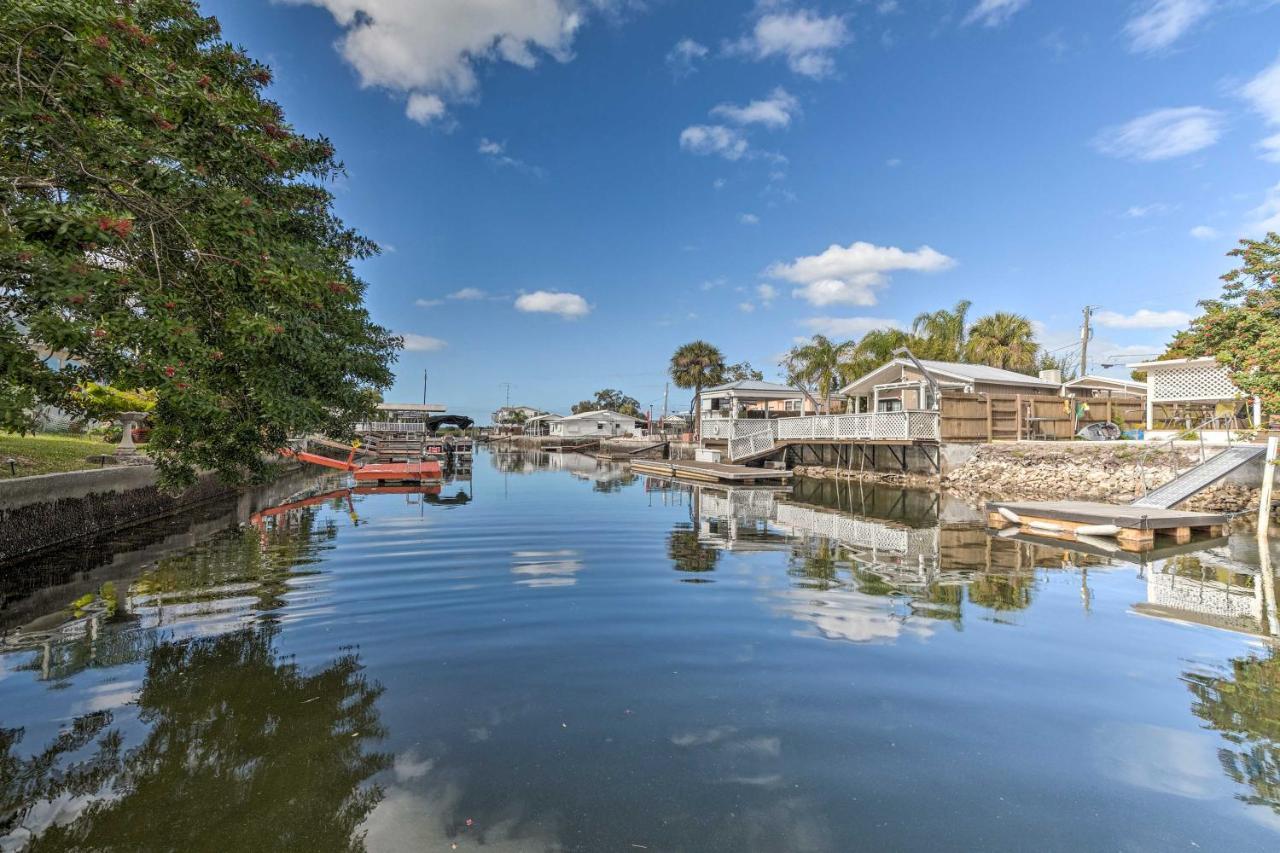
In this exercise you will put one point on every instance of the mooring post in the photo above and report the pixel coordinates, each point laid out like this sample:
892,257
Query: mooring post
1268,483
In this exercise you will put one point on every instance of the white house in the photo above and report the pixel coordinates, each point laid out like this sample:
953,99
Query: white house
598,423
1103,386
541,424
898,384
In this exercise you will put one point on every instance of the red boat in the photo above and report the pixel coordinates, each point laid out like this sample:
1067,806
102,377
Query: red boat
373,472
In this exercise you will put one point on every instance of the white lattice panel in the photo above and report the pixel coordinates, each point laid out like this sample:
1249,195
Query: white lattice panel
860,533
1192,382
1211,598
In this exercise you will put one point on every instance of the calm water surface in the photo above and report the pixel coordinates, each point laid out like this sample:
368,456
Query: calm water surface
560,655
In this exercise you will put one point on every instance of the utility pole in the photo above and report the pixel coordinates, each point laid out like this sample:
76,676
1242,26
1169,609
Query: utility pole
507,385
666,389
1085,334
424,386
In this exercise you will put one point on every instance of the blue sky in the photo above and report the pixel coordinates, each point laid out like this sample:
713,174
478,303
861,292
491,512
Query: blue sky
567,190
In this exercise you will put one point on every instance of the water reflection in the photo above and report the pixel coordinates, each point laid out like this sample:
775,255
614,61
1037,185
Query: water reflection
242,746
858,646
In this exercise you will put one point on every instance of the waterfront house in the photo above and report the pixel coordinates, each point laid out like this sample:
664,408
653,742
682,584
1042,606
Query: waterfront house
749,398
898,385
599,424
541,424
507,415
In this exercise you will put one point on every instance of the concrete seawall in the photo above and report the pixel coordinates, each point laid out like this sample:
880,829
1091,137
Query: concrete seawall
52,510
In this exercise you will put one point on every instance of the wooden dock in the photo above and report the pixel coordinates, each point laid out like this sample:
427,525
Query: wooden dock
1139,525
709,472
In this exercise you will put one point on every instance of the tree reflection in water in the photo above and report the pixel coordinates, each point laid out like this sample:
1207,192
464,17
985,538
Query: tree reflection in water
687,552
1244,706
245,751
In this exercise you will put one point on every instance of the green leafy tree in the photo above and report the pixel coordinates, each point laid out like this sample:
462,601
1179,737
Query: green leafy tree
163,225
1242,327
697,365
940,334
1064,364
103,401
1003,340
742,371
610,400
820,366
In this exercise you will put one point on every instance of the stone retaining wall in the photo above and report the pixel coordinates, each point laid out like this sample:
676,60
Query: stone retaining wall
1102,471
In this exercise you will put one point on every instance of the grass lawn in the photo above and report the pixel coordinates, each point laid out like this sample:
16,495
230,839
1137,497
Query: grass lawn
48,454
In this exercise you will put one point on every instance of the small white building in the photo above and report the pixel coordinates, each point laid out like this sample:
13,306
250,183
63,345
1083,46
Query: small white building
599,423
541,424
1200,381
1103,386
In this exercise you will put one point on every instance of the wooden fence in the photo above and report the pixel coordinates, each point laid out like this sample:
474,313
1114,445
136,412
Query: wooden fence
1011,417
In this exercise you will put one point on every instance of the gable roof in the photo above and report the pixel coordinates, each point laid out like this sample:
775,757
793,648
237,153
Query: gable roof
751,385
949,370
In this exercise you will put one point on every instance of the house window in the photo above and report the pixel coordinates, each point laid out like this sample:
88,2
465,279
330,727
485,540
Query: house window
793,406
891,405
599,425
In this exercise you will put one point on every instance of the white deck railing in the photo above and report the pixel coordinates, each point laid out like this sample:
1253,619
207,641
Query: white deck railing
749,437
871,426
391,426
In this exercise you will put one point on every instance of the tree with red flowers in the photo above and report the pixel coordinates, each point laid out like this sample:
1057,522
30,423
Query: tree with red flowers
1242,328
163,226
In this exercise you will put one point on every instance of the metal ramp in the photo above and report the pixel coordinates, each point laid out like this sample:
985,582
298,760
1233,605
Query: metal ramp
1201,477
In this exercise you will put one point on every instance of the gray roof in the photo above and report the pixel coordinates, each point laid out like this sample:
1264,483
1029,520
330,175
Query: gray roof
749,385
955,371
983,373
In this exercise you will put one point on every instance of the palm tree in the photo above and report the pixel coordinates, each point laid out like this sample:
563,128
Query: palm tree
819,364
696,365
872,350
1003,340
941,333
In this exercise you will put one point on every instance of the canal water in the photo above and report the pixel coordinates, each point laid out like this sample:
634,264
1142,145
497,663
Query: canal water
557,654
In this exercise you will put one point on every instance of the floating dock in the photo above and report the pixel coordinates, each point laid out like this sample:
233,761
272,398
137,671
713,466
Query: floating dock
1138,525
709,472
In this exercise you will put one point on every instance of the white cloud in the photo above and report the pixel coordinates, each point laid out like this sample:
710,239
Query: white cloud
1142,211
714,139
848,327
1204,232
746,307
893,162
993,13
1263,94
1162,22
774,111
850,275
887,7
1270,148
1162,134
468,294
803,37
1266,217
430,51
570,306
766,292
718,184
713,283
428,303
421,343
683,59
748,219
496,153
424,109
1143,318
